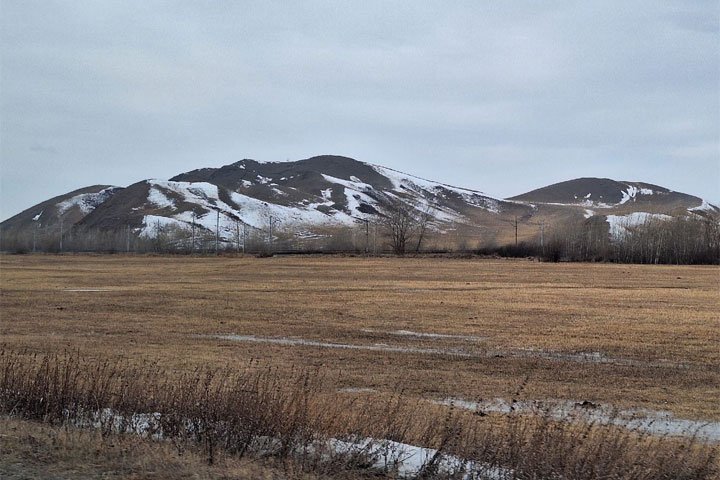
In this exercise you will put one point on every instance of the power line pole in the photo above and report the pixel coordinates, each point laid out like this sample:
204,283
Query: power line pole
35,236
217,234
61,234
127,238
542,234
516,230
367,235
192,248
244,237
237,235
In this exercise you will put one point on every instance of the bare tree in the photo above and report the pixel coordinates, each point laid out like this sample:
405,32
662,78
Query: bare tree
400,223
423,222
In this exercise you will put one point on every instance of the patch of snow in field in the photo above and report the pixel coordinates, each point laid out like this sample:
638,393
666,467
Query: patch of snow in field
588,213
246,183
619,224
647,191
345,346
582,357
409,461
87,290
410,333
159,199
357,390
37,217
653,422
388,456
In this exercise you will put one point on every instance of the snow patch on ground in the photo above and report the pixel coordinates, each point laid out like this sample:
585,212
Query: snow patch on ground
87,290
410,333
581,357
345,346
654,422
409,461
357,390
37,217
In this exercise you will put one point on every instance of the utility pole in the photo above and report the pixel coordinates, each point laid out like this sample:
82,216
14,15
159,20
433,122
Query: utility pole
192,248
516,231
217,234
244,236
271,235
61,234
367,235
542,234
127,238
35,236
237,235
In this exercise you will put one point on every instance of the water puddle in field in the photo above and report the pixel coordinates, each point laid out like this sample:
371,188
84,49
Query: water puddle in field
654,422
580,357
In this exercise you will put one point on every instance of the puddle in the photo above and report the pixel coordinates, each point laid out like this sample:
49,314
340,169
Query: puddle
654,422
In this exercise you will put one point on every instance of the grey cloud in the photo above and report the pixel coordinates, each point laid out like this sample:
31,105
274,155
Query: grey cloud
501,97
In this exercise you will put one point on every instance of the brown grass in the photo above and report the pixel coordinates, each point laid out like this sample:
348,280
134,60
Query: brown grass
658,326
239,413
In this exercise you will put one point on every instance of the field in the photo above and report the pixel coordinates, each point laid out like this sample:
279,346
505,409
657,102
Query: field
481,333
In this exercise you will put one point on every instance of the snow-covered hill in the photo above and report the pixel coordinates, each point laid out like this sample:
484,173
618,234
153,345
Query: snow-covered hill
332,191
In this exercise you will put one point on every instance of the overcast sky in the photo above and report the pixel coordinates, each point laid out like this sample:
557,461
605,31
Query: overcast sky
499,96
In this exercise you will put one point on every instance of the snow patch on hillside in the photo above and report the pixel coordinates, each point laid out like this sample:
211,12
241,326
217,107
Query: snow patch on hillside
159,199
227,218
704,207
86,202
620,224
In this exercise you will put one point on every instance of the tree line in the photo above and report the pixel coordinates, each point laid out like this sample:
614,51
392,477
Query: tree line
692,239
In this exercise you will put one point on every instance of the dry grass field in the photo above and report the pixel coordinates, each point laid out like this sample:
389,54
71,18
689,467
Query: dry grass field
391,344
621,335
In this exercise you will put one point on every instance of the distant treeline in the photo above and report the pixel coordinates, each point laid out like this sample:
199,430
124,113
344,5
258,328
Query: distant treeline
680,240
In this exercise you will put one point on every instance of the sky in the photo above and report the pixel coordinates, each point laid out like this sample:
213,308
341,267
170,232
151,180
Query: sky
502,97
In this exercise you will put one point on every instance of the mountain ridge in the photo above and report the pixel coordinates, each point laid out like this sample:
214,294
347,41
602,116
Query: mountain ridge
337,191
